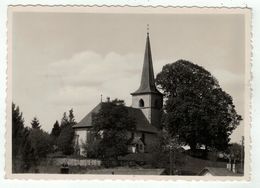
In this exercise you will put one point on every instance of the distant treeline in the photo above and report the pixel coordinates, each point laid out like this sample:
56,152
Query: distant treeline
32,144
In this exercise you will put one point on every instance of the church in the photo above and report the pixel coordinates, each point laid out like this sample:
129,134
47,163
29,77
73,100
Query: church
146,109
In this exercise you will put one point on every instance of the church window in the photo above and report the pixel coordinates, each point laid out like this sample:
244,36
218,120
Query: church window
141,103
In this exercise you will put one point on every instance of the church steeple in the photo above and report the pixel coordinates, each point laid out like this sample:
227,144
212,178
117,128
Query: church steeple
147,98
147,80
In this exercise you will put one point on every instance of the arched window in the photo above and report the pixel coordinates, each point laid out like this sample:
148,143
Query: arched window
141,103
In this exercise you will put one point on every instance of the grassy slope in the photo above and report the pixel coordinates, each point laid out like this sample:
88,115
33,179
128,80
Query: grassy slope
191,166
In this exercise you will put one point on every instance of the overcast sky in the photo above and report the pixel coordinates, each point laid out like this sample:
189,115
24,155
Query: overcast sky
67,60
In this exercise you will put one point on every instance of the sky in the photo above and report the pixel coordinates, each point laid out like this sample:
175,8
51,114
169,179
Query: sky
67,60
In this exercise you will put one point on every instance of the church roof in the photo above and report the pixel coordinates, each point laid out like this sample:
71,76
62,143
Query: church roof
86,122
142,123
147,80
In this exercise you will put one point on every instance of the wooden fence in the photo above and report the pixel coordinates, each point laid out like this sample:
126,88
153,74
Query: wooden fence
74,162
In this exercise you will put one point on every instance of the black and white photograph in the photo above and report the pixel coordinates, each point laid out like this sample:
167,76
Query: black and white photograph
138,92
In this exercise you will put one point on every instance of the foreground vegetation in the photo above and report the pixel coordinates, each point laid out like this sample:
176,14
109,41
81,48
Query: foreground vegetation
31,145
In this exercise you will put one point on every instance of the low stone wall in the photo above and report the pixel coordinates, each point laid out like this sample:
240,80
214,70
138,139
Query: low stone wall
74,162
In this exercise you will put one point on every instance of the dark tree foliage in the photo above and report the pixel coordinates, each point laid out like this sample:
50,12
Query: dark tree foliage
29,145
18,133
28,158
55,132
22,151
90,148
71,118
110,126
66,137
235,151
196,109
40,142
64,121
65,140
35,123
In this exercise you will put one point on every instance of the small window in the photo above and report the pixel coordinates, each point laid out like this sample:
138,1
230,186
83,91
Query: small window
141,103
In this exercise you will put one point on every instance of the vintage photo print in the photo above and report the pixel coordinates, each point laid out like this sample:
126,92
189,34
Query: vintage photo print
128,93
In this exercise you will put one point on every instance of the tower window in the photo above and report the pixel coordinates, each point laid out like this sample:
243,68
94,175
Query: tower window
141,103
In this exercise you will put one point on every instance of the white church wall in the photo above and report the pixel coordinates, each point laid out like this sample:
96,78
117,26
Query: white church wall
150,111
82,135
147,104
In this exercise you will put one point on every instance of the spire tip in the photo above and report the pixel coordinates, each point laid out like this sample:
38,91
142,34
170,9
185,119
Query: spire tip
147,29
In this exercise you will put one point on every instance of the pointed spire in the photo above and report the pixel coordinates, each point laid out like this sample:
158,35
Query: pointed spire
147,81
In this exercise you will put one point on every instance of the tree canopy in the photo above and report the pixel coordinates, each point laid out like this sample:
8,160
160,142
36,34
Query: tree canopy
66,136
196,108
35,123
18,130
56,129
29,145
41,143
235,151
21,148
110,126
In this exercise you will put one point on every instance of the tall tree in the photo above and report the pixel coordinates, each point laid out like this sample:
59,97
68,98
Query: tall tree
110,126
35,123
29,145
71,118
55,132
66,137
21,146
17,130
64,121
196,109
40,142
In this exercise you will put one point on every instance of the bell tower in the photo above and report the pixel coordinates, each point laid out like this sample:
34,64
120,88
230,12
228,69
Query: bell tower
147,97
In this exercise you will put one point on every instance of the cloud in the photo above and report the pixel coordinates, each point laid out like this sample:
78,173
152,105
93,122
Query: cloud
88,74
